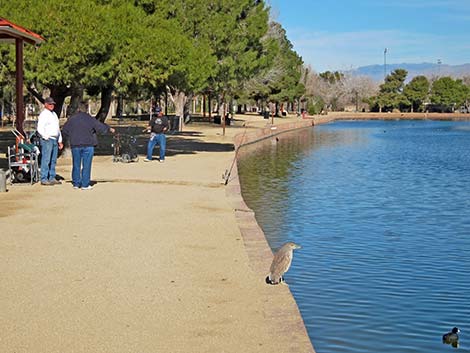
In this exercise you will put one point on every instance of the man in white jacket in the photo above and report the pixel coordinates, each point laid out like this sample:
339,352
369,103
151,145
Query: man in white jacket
51,142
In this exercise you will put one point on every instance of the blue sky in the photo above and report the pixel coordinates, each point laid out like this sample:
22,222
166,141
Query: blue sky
340,34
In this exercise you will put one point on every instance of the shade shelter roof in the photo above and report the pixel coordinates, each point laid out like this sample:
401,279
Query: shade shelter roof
13,33
10,31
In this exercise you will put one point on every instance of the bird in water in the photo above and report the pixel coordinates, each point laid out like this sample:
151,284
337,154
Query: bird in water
281,263
452,337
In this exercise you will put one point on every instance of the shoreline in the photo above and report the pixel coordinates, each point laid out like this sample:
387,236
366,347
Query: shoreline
331,116
290,324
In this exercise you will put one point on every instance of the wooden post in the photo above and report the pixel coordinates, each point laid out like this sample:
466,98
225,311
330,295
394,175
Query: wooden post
19,86
2,107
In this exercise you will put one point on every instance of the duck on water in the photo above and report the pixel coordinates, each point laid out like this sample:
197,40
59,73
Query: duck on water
452,337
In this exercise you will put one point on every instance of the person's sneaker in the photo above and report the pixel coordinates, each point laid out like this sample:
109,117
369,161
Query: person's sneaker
55,182
46,183
76,187
89,187
147,160
162,161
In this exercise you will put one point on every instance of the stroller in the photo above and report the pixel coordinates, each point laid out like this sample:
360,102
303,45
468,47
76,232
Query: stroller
124,148
23,158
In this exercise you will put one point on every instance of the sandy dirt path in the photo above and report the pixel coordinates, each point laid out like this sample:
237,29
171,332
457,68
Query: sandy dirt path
151,260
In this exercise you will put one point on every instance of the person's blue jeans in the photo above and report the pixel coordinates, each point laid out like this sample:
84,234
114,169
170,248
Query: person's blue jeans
81,165
49,151
159,139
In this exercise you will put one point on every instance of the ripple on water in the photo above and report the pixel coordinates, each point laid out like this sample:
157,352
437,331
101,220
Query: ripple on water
383,221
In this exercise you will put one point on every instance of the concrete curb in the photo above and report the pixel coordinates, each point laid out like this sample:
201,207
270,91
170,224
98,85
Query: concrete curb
290,325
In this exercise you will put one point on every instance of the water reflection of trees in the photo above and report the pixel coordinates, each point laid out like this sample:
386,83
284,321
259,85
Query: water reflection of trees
266,168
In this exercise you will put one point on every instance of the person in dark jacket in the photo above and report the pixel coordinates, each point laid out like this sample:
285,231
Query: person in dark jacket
80,130
158,126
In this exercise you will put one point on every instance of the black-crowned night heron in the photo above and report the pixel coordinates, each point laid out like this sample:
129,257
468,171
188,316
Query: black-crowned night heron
452,337
281,263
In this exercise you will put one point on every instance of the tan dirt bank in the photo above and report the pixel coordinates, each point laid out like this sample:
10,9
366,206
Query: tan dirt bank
159,257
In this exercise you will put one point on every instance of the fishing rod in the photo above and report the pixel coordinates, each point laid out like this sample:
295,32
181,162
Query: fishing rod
228,172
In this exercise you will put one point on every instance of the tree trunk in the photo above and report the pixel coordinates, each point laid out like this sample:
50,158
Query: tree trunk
120,107
203,105
77,96
186,109
222,110
32,89
180,100
106,97
209,109
59,93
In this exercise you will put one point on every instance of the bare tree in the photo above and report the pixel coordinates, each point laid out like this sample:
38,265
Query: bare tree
338,89
356,89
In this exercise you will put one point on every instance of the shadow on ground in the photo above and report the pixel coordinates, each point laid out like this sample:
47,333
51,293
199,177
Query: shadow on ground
186,142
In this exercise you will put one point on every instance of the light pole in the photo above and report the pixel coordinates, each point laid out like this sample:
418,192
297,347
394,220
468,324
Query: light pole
439,62
385,63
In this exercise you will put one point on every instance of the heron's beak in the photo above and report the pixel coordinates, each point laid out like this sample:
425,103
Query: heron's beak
298,246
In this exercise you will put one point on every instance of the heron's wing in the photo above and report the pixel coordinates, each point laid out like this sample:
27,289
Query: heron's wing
281,263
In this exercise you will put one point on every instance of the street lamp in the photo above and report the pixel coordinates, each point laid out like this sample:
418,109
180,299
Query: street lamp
385,63
439,62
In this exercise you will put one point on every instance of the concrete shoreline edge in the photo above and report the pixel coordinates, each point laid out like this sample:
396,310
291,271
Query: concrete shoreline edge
256,246
287,319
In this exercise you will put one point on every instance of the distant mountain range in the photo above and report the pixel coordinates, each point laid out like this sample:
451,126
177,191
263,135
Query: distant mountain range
376,72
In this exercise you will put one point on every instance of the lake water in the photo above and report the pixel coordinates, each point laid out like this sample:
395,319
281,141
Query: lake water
382,211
